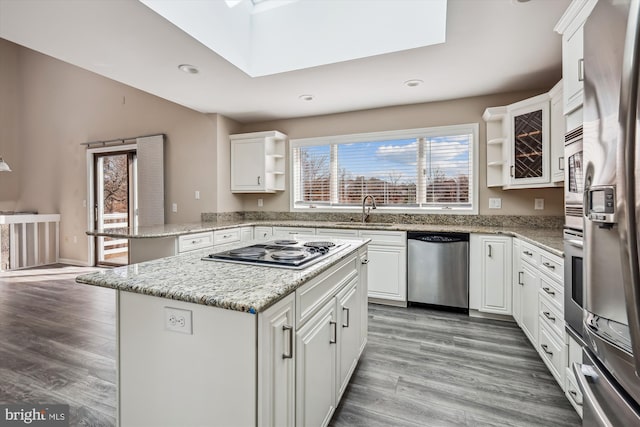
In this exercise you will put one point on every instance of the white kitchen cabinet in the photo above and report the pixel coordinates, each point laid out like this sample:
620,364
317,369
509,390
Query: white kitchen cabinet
529,142
316,367
387,266
258,162
490,273
529,302
516,287
246,234
570,27
571,389
328,337
225,239
262,233
276,364
292,232
195,241
525,142
558,129
349,302
363,275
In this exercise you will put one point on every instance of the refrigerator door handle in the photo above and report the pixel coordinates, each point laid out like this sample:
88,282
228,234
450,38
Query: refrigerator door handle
588,397
628,116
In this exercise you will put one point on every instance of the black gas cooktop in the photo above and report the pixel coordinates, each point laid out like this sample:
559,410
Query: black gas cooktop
279,253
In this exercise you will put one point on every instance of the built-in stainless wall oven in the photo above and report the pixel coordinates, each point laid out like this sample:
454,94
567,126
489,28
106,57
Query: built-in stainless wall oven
573,179
573,240
573,280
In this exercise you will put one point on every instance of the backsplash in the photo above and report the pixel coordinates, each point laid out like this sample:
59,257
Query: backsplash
471,220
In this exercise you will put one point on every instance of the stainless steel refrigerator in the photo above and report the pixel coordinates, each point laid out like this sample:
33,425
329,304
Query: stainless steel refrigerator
608,376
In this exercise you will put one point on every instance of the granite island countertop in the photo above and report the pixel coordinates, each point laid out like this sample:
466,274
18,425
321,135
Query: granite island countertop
240,287
549,239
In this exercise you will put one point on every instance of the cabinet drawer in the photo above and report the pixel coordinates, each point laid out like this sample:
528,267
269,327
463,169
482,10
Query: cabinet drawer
221,237
552,290
529,253
553,352
313,295
552,265
572,390
337,232
292,231
386,238
191,242
550,315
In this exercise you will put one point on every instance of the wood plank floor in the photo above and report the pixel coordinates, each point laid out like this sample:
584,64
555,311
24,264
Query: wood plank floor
431,368
420,367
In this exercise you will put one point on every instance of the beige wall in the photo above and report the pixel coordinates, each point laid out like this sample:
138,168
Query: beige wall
468,110
63,106
226,200
10,101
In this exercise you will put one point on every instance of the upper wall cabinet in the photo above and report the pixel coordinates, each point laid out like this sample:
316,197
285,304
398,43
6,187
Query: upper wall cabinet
258,162
525,142
570,27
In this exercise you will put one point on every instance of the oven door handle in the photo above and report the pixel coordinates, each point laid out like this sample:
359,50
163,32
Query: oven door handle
576,243
588,397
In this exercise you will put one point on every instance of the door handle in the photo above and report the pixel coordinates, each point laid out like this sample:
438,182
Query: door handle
334,325
549,266
347,310
258,180
489,251
549,316
285,329
561,163
520,273
511,169
548,290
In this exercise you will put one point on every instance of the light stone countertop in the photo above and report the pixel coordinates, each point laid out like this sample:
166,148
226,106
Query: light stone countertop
240,287
549,239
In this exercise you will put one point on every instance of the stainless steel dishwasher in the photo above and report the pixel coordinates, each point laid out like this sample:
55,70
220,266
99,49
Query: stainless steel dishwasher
438,269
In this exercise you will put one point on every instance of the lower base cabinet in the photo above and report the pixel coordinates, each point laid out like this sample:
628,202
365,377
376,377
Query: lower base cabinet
388,266
490,279
285,366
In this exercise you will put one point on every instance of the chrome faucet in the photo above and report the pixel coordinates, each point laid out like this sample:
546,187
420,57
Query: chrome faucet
365,216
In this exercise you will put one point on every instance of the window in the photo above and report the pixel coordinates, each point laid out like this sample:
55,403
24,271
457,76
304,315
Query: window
414,170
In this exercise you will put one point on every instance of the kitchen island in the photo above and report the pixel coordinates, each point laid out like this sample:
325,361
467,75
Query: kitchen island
218,343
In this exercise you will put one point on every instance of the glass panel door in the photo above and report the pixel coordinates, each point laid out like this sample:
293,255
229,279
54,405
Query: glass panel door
113,207
528,145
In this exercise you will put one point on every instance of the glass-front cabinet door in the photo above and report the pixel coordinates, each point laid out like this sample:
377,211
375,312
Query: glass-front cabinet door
529,162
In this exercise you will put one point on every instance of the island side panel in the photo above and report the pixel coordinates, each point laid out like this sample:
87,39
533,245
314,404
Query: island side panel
169,378
147,249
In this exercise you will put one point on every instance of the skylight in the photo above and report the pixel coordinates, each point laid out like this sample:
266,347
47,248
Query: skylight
264,37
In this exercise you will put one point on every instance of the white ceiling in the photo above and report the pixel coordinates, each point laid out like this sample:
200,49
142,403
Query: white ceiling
491,46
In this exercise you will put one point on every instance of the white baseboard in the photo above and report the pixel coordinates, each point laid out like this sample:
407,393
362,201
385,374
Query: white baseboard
75,262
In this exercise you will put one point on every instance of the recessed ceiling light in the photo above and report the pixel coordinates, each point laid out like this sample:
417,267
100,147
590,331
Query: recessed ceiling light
190,69
413,83
306,97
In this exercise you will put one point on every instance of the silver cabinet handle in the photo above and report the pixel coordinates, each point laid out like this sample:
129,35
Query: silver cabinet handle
226,236
193,242
335,332
520,273
364,261
511,171
527,253
347,310
545,348
285,329
561,163
549,266
549,291
258,180
549,316
581,69
489,251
